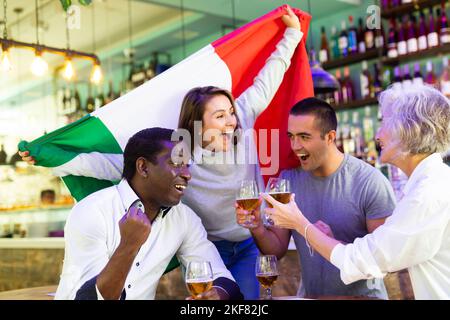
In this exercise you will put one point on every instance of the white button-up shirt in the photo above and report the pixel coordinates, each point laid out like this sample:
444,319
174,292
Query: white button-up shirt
92,235
416,236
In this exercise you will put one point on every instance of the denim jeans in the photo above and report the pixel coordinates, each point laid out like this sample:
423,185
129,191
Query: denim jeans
240,259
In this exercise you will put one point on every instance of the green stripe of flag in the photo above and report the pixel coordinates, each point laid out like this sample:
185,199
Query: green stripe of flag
85,135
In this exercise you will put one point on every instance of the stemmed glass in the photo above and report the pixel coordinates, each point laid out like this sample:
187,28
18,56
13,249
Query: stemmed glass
199,277
267,273
247,198
280,190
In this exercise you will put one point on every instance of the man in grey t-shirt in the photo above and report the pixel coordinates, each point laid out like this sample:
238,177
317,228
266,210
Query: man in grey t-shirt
345,197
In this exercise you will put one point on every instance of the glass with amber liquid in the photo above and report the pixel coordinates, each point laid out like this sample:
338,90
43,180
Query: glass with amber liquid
280,190
199,277
247,198
267,273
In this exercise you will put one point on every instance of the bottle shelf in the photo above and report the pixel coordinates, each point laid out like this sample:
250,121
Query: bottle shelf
356,104
432,52
408,8
351,59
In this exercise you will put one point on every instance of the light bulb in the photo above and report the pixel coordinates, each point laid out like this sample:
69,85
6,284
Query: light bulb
5,61
96,74
39,67
69,71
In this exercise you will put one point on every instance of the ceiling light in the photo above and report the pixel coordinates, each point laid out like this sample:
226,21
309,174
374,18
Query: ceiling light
39,67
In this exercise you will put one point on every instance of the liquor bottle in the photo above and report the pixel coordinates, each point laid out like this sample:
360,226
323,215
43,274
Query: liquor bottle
150,72
368,125
352,37
338,99
90,101
407,80
431,78
366,82
324,52
369,38
358,137
392,41
385,4
99,100
411,36
418,78
138,76
397,82
377,82
3,155
348,83
444,32
343,40
67,100
111,95
402,47
432,37
445,77
379,37
422,35
360,37
335,43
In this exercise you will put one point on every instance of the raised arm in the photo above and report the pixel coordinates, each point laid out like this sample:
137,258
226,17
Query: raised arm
258,96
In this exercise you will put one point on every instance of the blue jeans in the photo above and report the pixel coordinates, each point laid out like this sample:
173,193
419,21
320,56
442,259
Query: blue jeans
240,259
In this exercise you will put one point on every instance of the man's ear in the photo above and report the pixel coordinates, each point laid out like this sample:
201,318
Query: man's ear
331,136
142,168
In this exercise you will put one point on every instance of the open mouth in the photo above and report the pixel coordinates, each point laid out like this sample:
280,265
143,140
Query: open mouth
180,187
303,156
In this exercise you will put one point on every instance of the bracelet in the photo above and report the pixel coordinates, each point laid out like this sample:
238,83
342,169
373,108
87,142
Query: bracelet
311,250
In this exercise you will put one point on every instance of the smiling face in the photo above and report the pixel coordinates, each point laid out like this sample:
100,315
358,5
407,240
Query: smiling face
168,176
219,123
306,142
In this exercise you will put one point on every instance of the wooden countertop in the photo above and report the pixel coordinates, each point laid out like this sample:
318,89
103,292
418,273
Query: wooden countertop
37,293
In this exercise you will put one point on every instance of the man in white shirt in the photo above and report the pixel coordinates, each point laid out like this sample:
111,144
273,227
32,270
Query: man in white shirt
120,240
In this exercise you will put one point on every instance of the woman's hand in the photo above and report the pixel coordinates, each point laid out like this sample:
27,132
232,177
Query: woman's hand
287,216
27,158
290,19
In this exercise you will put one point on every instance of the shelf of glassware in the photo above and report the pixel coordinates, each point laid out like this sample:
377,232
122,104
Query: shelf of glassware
356,104
431,52
408,8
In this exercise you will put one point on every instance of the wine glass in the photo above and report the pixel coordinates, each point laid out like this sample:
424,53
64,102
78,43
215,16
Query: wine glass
247,198
199,277
267,273
280,190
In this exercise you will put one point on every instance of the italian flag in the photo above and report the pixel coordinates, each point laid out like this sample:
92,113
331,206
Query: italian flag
231,62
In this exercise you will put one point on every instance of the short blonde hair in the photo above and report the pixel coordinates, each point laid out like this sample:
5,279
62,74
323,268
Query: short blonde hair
420,120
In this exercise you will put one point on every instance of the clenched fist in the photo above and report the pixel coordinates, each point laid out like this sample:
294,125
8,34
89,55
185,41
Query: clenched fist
134,228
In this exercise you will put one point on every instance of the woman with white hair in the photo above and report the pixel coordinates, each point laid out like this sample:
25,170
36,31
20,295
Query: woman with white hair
415,129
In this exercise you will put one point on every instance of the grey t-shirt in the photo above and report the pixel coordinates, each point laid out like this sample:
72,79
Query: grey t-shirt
343,200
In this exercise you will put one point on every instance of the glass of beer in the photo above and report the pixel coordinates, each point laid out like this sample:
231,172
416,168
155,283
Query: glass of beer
247,198
199,277
280,190
267,273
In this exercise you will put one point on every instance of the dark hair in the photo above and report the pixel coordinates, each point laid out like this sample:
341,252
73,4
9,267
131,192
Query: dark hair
325,116
193,108
147,143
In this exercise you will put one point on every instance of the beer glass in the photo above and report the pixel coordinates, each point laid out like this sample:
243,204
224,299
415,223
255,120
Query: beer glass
199,277
247,198
267,273
280,190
